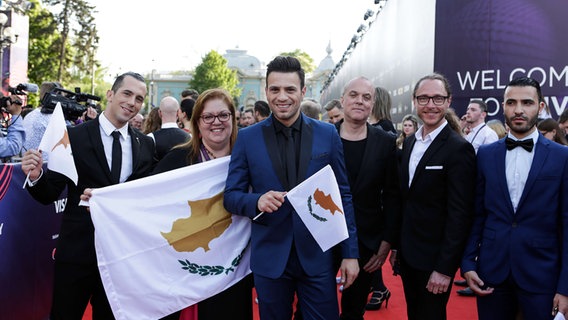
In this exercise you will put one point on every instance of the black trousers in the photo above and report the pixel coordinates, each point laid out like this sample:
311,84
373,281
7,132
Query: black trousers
354,298
74,285
420,303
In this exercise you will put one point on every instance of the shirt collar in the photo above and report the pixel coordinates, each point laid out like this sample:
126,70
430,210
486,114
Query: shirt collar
477,127
168,125
297,125
533,136
432,135
108,127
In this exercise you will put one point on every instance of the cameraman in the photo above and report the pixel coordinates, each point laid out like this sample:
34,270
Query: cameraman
12,143
37,120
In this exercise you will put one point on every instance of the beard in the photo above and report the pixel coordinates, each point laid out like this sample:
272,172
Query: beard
524,128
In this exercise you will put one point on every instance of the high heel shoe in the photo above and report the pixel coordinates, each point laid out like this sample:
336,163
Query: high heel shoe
377,300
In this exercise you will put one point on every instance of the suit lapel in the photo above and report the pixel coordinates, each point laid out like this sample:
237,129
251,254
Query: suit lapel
436,144
272,148
499,163
405,160
305,149
97,143
135,141
540,154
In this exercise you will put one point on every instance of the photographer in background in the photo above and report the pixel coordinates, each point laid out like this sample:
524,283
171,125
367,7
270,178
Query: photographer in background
36,121
11,144
75,113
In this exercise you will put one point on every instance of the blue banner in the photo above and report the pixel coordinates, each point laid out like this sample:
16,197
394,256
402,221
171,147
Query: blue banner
28,235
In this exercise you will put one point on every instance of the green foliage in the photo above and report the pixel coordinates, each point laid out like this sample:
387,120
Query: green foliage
214,73
305,59
62,47
77,28
44,38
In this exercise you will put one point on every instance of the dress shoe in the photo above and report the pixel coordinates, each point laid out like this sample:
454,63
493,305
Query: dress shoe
460,283
467,292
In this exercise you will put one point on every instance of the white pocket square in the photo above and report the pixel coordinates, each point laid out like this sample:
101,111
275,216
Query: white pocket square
434,167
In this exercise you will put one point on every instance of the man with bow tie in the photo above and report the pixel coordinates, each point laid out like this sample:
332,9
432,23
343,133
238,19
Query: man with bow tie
517,254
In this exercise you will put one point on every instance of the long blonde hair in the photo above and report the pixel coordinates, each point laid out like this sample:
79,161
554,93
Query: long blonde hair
409,117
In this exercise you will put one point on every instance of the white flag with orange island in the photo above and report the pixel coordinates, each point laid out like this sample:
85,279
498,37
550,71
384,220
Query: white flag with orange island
317,201
55,142
165,242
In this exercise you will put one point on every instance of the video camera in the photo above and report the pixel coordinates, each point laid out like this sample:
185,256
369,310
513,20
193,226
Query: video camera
20,90
74,104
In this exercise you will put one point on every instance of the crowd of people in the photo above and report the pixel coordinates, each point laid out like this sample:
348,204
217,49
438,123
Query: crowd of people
438,195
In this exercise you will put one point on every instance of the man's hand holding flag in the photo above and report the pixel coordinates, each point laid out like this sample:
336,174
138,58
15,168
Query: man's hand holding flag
55,142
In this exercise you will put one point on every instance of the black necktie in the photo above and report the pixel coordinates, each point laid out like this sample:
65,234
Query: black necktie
116,162
290,157
527,144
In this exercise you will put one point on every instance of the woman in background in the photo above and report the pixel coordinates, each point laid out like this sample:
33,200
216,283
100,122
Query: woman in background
498,127
153,122
550,130
409,127
380,115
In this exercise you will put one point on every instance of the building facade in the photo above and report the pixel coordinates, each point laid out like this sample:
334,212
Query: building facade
250,71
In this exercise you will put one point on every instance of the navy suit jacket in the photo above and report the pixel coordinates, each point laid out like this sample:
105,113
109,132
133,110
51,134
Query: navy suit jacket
438,205
76,242
256,168
530,244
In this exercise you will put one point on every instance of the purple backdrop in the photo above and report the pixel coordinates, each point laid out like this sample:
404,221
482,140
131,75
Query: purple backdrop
478,44
28,233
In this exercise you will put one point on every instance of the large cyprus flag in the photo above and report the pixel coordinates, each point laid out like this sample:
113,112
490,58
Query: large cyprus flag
165,242
318,203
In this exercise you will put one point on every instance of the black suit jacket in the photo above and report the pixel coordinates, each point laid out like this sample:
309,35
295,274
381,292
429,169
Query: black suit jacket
76,238
438,205
376,190
167,138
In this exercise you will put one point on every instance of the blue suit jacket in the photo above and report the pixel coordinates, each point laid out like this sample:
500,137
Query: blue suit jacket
531,244
256,168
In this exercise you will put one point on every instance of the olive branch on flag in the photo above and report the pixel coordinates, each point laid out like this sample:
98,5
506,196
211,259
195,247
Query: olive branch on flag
212,270
322,219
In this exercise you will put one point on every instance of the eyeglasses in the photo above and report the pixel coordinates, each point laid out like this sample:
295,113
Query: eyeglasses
437,100
209,118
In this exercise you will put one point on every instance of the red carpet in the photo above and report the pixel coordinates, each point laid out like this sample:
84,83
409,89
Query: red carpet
459,308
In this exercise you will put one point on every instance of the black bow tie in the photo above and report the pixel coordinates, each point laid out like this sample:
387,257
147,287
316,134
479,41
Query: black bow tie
527,144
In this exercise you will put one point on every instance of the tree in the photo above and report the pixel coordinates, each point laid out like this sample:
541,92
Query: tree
44,36
75,19
213,72
305,60
77,67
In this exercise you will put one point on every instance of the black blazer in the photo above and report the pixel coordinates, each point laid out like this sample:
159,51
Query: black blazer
376,190
76,239
168,138
438,206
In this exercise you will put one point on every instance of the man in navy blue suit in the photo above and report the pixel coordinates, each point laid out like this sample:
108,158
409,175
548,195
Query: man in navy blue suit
517,254
285,258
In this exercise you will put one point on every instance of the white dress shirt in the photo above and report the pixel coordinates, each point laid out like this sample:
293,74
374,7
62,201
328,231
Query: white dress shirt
480,135
106,129
420,148
517,166
166,125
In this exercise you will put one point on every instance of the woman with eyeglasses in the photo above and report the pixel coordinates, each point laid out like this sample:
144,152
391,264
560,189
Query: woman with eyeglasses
214,131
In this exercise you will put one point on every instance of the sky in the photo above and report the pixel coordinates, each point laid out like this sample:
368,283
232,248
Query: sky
171,35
